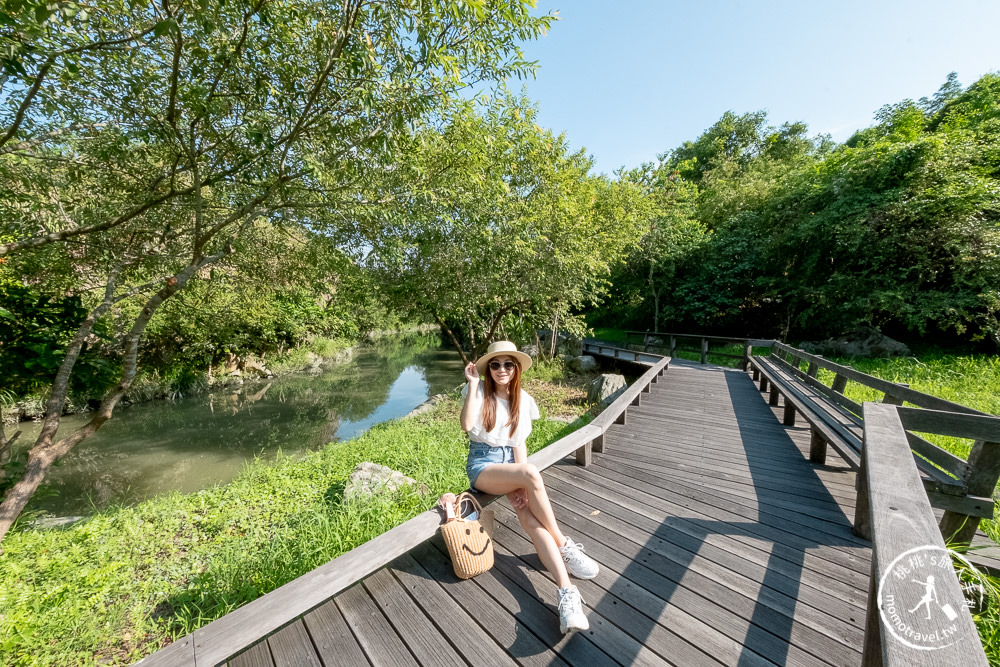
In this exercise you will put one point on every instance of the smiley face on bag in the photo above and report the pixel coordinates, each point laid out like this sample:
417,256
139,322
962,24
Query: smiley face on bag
477,541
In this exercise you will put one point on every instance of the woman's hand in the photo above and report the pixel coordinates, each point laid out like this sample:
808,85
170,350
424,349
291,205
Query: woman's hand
518,498
471,373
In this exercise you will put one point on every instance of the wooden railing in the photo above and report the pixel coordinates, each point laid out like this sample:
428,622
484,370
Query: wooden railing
963,488
669,343
591,346
907,547
216,642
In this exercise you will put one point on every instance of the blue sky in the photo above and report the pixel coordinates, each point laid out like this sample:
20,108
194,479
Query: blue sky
629,79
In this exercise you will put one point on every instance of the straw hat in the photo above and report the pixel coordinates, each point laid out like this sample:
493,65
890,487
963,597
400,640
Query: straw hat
503,348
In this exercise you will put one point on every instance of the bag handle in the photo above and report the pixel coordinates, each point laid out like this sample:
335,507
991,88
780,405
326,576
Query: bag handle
452,505
465,495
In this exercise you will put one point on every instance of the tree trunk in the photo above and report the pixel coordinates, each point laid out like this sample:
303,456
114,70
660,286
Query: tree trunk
555,335
656,312
454,340
45,453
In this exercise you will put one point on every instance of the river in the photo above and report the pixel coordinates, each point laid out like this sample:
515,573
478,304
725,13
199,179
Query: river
198,441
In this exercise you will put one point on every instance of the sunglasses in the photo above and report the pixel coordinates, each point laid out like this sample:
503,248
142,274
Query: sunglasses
507,365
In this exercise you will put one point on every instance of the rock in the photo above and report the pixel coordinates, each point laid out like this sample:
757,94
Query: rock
573,346
253,366
426,405
531,351
369,479
606,388
860,343
55,522
583,364
567,357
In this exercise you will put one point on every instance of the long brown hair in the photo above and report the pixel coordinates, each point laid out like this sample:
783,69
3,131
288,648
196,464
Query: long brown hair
490,399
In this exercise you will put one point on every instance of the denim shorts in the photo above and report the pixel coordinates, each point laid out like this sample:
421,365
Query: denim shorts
482,455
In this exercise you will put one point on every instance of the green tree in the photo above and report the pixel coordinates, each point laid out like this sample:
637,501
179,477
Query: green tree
512,228
144,142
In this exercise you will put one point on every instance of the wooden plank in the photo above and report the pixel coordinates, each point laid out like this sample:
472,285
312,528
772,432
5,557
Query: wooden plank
666,631
292,647
613,412
955,465
379,641
466,614
605,634
218,640
765,511
903,524
837,435
258,655
746,525
754,561
763,479
563,447
178,654
685,602
333,639
694,601
421,636
534,618
729,533
798,484
976,506
852,408
973,427
659,552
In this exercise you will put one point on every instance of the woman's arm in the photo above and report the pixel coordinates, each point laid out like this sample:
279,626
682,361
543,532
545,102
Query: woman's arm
469,416
521,453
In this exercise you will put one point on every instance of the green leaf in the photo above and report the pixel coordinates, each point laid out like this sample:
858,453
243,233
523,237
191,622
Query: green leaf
163,27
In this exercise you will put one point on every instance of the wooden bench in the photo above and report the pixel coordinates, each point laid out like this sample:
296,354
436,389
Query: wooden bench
837,421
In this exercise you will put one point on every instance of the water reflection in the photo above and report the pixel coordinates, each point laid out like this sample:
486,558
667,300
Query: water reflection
198,441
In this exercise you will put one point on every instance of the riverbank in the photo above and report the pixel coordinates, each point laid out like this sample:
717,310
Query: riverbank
123,583
238,371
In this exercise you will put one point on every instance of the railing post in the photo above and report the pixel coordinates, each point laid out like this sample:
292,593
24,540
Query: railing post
598,444
817,448
981,480
583,456
747,351
813,369
673,346
894,400
704,350
789,415
862,505
839,382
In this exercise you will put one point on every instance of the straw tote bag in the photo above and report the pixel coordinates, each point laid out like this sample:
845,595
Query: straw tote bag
469,540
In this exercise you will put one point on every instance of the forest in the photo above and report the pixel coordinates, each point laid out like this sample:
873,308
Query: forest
172,200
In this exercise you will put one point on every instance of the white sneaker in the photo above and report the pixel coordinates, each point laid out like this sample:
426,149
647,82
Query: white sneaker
578,564
571,616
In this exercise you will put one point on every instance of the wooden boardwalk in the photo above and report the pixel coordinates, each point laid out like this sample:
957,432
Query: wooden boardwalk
719,544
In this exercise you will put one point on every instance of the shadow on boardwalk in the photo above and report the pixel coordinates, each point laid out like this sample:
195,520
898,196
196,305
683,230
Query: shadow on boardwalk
719,544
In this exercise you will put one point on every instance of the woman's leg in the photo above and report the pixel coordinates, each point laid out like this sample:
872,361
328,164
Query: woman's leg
502,478
545,546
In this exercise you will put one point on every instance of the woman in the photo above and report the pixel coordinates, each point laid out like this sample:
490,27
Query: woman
497,415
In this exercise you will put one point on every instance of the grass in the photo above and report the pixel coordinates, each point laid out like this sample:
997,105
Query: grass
128,580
